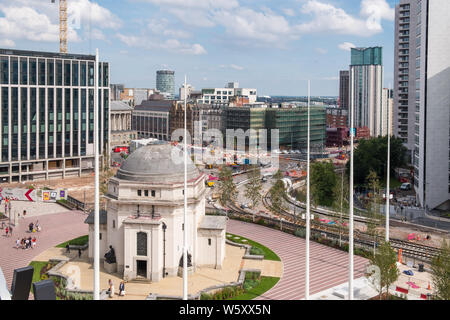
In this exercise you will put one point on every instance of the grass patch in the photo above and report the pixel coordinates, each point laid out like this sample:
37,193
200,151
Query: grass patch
268,254
257,288
81,241
38,266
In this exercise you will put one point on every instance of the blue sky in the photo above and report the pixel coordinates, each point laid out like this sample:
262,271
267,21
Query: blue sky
274,46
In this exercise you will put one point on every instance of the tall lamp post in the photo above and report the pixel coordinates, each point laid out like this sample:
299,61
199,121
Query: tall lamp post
388,193
308,202
97,188
350,244
185,265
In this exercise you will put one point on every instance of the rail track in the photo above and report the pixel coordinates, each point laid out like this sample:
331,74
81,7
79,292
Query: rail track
411,250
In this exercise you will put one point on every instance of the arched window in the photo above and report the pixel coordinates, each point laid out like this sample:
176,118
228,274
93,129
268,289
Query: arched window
141,244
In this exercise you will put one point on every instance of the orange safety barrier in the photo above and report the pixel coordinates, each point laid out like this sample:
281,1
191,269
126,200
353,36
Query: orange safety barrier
400,251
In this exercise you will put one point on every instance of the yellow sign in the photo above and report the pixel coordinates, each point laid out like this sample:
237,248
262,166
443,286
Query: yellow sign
46,196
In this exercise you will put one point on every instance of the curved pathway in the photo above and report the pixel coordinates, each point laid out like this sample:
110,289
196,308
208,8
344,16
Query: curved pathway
328,266
56,228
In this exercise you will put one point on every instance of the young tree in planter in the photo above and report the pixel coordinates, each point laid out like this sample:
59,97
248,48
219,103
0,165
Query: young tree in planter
440,272
340,203
277,192
227,188
254,187
373,221
386,272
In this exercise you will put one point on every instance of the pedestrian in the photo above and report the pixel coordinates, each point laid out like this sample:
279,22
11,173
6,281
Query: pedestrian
79,253
27,243
10,231
7,230
67,248
121,288
17,243
24,213
33,243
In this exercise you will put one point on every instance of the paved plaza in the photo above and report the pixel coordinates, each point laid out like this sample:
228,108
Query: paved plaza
56,228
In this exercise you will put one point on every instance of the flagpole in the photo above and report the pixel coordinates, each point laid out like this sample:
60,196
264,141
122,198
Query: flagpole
350,246
185,265
97,188
308,201
388,193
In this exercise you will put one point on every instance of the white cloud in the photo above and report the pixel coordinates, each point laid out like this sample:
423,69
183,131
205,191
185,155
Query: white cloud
236,67
92,13
197,4
328,18
378,8
7,43
28,24
250,24
161,27
346,46
289,12
321,50
172,45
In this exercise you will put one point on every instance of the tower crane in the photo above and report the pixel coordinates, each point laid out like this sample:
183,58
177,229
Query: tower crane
62,25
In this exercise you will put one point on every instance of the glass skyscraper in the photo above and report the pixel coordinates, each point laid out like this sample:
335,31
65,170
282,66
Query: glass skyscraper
366,85
47,114
165,83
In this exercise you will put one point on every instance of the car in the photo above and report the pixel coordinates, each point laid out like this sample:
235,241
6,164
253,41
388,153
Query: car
244,206
277,151
405,186
285,152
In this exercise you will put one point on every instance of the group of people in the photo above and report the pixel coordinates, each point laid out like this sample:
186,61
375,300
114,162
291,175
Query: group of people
110,291
26,243
34,227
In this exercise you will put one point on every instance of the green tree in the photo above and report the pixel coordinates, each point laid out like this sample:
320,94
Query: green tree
371,154
277,192
440,272
254,186
341,204
227,187
323,183
386,272
374,219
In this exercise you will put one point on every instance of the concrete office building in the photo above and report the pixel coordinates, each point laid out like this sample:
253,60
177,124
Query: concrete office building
405,73
165,83
47,114
344,89
431,156
366,84
224,95
121,133
151,119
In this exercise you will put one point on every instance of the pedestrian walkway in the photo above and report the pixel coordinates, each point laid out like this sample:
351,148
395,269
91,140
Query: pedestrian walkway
56,228
328,266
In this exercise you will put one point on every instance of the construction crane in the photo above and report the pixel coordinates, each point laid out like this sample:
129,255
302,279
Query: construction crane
62,25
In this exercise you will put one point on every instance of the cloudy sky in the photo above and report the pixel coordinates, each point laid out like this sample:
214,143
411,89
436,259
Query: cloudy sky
272,45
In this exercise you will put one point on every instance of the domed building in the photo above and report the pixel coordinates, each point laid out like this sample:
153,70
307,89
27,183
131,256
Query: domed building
144,220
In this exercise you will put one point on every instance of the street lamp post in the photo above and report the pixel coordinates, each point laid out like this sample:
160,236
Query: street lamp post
308,202
185,255
350,231
97,188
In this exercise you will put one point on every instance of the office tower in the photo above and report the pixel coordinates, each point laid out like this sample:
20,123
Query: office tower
366,74
165,83
405,73
344,89
431,156
47,114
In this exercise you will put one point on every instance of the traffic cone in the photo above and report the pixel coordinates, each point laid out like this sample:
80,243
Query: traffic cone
429,286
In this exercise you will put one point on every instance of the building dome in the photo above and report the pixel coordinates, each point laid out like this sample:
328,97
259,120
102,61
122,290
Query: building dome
157,164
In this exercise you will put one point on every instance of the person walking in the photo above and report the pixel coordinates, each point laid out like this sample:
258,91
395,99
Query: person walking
6,231
10,231
121,288
79,253
33,243
17,243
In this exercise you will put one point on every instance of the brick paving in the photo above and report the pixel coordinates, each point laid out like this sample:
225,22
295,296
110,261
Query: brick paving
328,266
56,228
